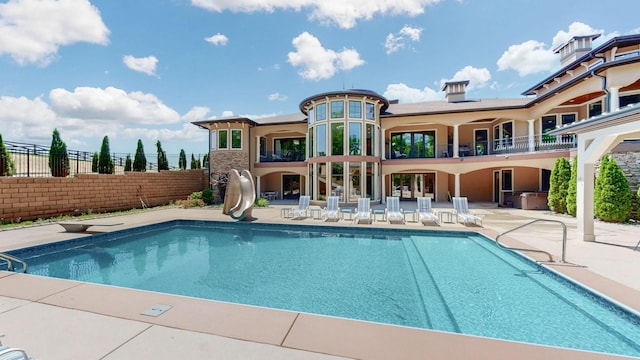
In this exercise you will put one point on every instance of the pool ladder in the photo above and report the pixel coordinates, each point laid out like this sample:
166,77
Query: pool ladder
564,238
11,260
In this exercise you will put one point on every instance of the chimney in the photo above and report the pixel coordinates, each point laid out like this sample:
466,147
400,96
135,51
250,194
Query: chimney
455,90
575,48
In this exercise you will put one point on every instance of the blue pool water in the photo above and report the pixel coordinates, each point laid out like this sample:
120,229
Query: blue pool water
448,281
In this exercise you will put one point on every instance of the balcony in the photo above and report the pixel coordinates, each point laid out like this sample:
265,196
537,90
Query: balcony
281,156
516,145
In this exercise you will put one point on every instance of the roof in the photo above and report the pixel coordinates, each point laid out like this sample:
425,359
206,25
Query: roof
629,113
356,92
442,107
225,119
282,119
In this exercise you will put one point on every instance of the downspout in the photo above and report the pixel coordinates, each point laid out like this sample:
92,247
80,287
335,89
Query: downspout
604,84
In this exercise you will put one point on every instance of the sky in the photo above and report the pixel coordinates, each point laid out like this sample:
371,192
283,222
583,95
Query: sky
145,69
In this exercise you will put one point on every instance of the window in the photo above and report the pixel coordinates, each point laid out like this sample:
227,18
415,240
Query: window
355,138
370,140
337,139
312,115
337,109
548,124
337,180
236,139
355,109
595,108
321,112
222,139
413,145
310,151
503,135
214,140
291,149
321,140
370,111
629,99
507,180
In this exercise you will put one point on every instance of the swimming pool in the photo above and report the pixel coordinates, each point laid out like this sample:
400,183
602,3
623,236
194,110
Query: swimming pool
447,281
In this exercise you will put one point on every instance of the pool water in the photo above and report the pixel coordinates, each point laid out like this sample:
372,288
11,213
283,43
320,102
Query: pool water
448,281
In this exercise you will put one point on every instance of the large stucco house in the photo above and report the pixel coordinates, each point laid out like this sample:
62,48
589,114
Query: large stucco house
356,143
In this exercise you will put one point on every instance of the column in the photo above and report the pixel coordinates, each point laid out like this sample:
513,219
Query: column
257,148
258,191
456,141
383,154
383,198
532,135
614,99
456,192
584,195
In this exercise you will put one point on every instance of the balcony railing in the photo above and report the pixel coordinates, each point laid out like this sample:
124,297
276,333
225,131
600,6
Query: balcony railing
520,144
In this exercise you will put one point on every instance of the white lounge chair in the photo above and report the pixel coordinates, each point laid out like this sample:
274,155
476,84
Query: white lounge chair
332,211
11,353
303,207
425,212
394,212
364,211
461,207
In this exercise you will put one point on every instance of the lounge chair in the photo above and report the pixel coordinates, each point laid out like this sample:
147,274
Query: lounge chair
394,213
303,207
461,207
332,211
11,353
425,212
364,211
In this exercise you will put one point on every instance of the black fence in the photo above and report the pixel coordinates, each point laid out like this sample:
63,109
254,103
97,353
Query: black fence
31,160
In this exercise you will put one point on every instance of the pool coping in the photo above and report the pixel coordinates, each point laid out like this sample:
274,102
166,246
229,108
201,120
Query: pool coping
295,330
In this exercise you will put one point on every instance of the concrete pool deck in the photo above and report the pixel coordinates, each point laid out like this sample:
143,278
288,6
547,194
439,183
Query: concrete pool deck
62,319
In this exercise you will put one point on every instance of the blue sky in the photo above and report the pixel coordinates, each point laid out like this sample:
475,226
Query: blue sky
145,69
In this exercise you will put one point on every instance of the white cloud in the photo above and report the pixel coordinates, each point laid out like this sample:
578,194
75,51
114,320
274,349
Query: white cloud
344,13
196,113
319,63
478,78
31,31
227,113
21,118
405,94
278,97
218,39
395,42
145,65
112,105
533,57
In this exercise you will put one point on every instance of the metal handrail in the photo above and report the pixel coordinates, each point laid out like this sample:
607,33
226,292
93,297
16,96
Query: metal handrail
10,260
564,239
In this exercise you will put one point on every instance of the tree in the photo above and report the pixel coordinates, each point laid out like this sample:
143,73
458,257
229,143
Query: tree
105,162
128,166
58,157
572,190
182,160
558,185
163,163
613,200
7,168
205,160
140,160
94,162
195,163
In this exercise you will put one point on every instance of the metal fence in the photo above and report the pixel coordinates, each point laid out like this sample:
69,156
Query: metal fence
31,160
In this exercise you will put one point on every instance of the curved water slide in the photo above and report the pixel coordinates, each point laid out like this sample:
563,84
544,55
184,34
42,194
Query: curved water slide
240,195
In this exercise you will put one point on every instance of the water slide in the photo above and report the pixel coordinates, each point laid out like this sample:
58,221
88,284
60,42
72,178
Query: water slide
240,195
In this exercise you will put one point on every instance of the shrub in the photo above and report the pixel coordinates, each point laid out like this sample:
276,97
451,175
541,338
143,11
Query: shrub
613,198
127,163
195,163
182,160
140,160
572,190
105,162
94,162
261,202
163,163
189,203
7,168
58,156
207,196
559,183
195,195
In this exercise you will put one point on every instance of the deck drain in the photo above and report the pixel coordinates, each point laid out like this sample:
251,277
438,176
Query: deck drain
156,310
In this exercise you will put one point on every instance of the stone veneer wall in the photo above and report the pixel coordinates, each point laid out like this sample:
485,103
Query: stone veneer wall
629,162
225,160
33,198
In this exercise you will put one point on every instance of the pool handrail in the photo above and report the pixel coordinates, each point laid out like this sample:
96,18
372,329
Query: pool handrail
10,260
564,239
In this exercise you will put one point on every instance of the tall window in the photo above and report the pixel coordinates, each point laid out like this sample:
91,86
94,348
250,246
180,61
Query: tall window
337,179
321,112
214,140
503,135
420,144
337,109
321,140
291,149
355,138
310,151
355,109
370,111
236,139
337,138
222,139
595,108
312,115
370,140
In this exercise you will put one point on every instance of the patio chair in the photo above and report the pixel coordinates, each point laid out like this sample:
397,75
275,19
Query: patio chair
332,211
461,207
394,213
364,211
12,353
425,212
303,207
